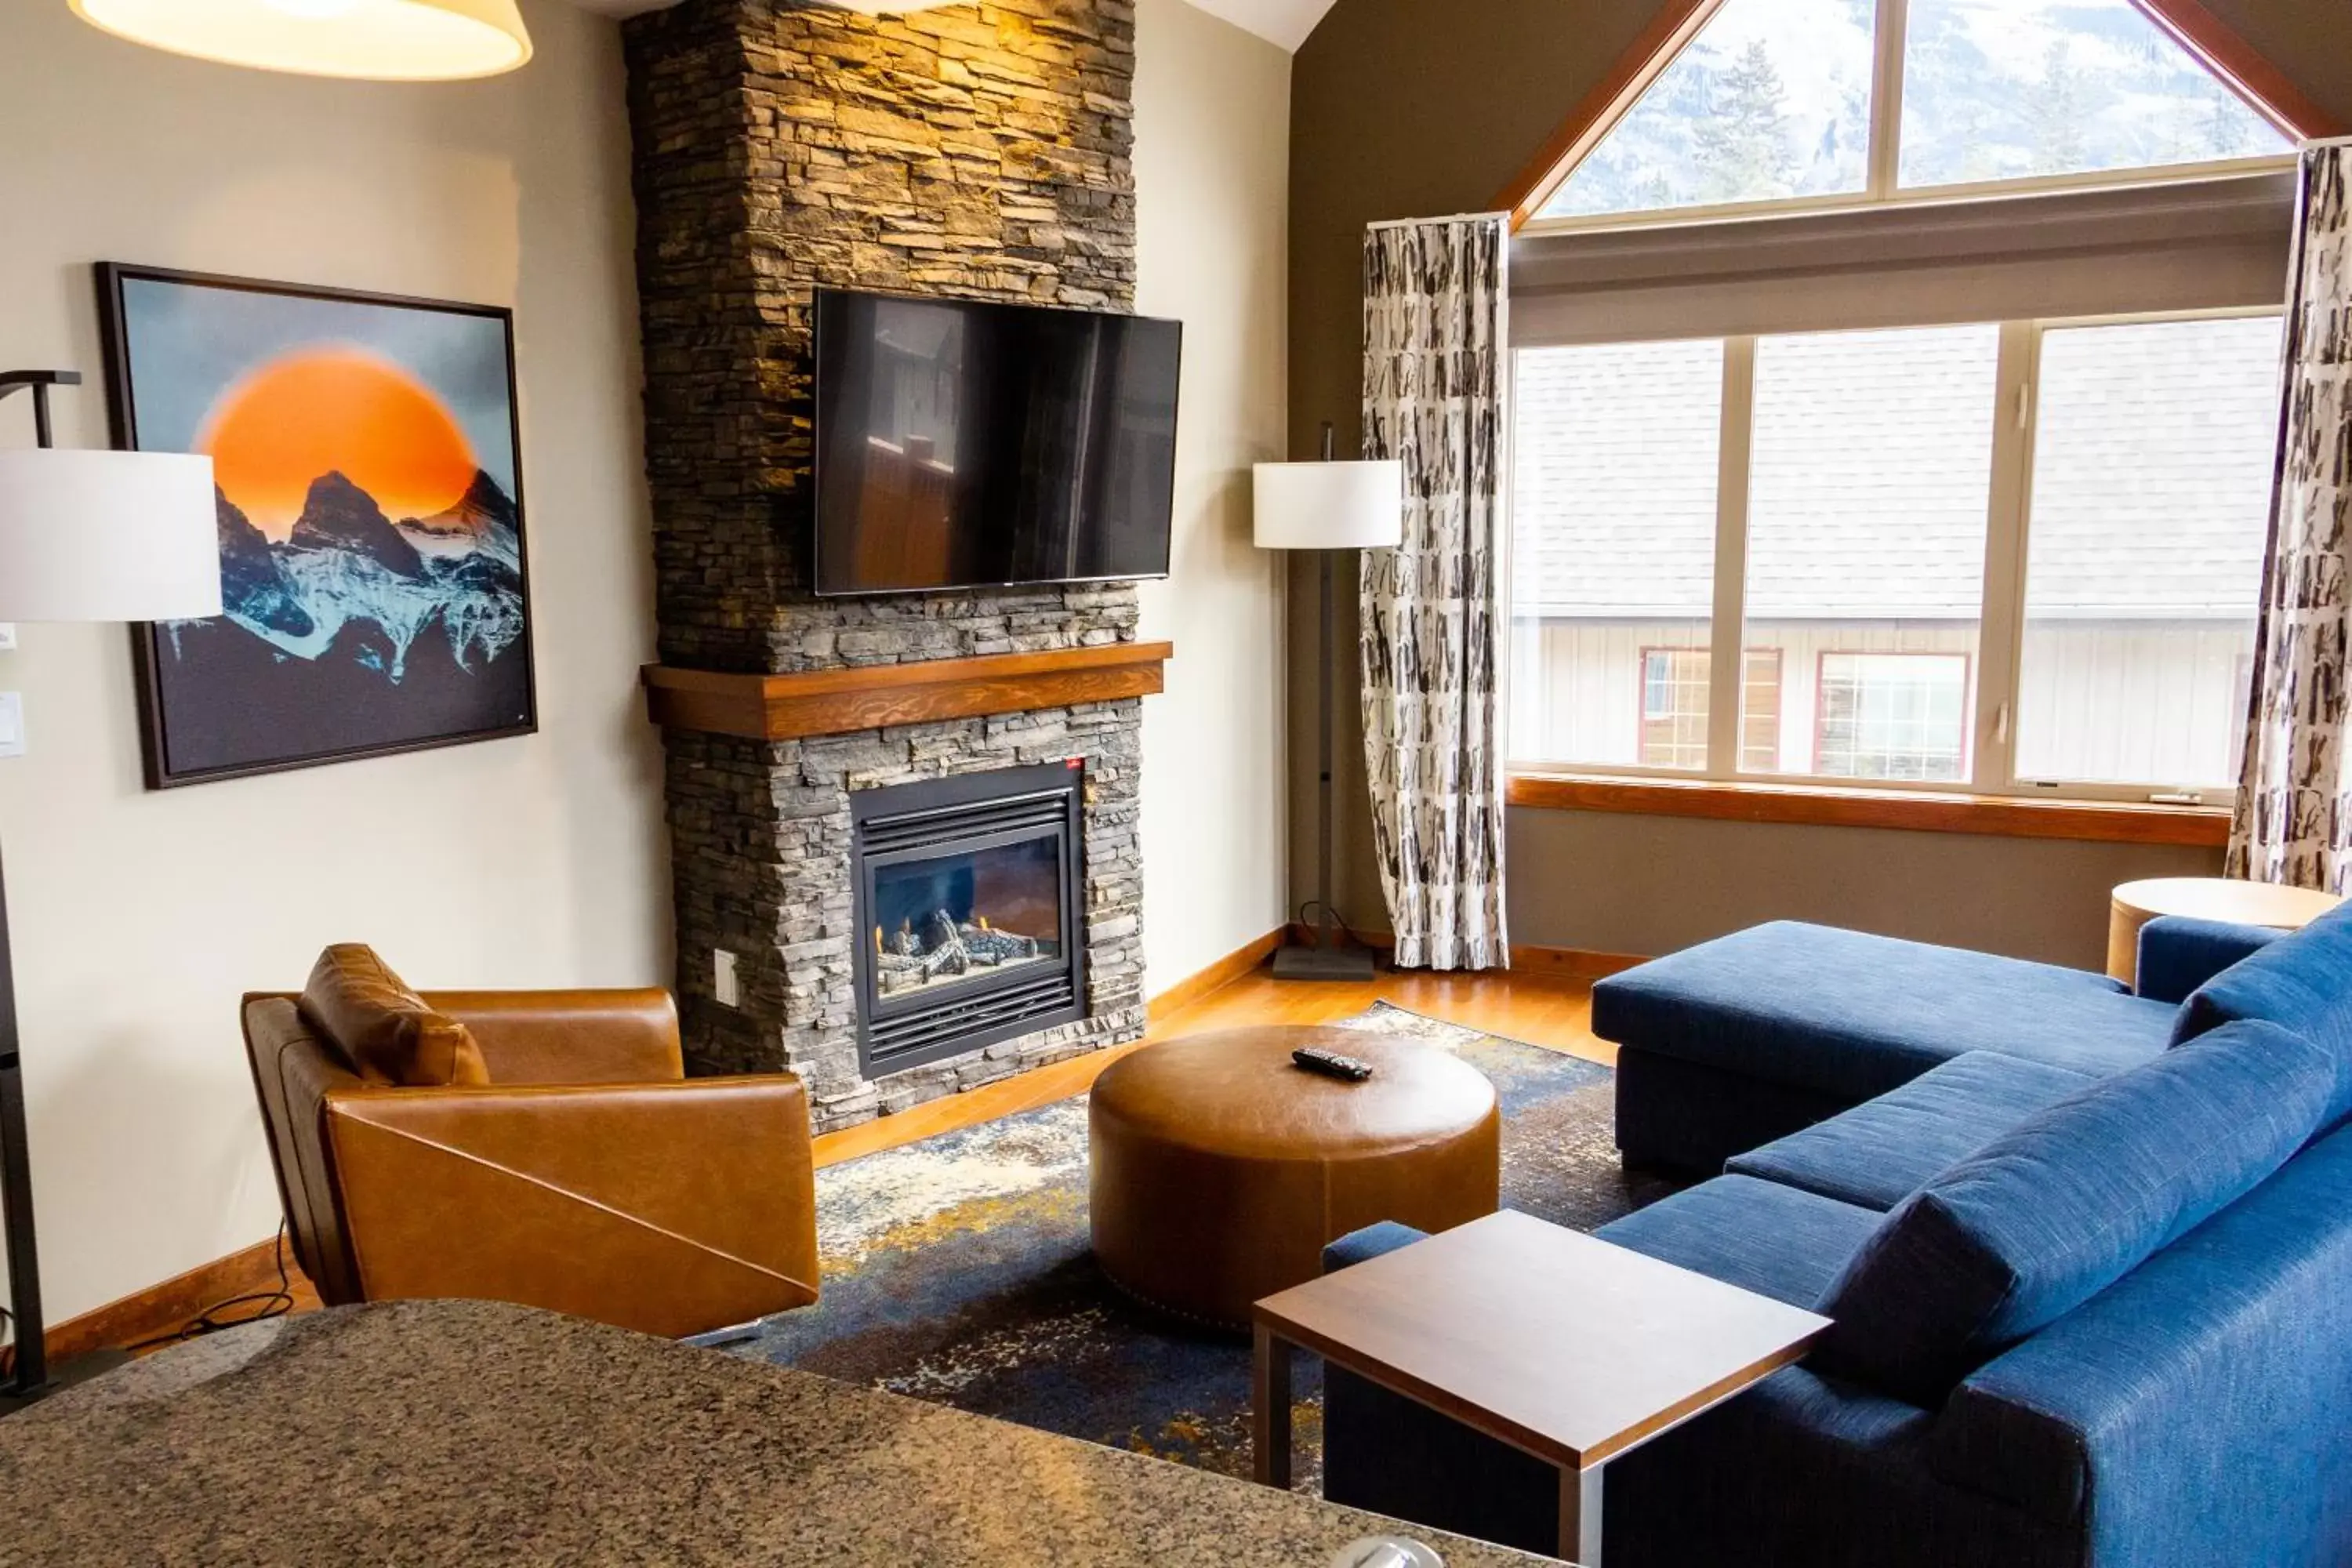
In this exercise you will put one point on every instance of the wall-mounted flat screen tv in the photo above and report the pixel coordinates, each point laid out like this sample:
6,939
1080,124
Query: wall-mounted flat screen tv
962,445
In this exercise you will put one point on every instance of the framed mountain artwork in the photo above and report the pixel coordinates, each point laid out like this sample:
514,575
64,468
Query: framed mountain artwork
370,502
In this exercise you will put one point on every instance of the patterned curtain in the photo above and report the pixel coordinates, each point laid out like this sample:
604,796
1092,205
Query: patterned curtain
1434,302
2295,799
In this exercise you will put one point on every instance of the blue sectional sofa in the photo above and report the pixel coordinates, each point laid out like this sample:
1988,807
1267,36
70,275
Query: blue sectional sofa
2088,1255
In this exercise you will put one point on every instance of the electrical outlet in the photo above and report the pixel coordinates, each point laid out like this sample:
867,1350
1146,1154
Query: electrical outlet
7,637
11,724
724,985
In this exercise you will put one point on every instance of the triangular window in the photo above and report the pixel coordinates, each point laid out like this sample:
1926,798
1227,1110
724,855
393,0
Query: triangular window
2010,89
1770,101
1773,101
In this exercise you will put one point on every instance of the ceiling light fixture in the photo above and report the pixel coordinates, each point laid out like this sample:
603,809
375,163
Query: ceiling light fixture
380,40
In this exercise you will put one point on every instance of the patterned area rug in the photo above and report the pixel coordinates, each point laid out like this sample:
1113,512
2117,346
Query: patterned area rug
956,1269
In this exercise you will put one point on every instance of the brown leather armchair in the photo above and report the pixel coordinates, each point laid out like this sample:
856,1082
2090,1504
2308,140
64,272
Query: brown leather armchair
587,1176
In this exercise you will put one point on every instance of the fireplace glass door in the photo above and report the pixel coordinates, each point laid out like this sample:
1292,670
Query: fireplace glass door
990,909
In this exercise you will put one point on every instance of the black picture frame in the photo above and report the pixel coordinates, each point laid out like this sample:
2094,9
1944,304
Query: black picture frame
155,715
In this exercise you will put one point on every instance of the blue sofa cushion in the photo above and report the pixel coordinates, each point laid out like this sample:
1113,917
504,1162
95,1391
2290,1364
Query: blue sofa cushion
1370,1242
2177,954
1854,1016
2302,982
2061,1207
1774,1240
1879,1154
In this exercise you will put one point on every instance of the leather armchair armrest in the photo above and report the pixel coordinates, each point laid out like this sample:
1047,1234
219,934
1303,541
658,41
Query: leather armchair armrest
673,1208
571,1037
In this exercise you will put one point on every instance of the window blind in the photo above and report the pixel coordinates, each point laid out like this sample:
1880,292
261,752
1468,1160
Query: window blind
2205,245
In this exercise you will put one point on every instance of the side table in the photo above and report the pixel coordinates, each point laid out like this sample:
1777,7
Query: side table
2205,898
1568,1348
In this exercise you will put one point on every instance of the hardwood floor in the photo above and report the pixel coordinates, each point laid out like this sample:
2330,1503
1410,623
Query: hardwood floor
1542,1009
1541,1004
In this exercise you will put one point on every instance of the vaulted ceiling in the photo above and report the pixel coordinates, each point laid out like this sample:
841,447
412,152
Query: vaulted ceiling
1283,22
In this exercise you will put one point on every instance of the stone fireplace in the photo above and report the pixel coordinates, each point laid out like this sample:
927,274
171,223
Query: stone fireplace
981,152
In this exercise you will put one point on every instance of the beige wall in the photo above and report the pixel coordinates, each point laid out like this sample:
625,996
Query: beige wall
1606,883
1392,116
139,917
1211,129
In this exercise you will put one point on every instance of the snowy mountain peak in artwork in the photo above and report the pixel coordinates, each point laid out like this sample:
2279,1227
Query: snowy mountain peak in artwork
252,583
339,515
483,519
454,577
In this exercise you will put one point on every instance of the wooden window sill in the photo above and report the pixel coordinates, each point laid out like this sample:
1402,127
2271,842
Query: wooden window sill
2004,817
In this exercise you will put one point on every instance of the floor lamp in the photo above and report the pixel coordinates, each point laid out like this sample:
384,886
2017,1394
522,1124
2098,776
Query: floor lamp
84,536
1326,507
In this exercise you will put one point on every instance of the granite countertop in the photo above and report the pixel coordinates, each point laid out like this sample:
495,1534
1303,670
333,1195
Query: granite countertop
467,1432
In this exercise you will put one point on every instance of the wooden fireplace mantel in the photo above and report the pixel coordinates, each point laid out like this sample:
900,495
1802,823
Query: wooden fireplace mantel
869,697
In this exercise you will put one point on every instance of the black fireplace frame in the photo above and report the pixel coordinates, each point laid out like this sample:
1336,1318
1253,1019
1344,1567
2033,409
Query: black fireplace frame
898,823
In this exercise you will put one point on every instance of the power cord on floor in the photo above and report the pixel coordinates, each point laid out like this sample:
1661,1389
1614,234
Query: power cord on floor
1337,918
266,1304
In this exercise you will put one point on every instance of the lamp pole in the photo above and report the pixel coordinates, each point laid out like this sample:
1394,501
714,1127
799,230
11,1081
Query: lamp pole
30,1374
84,536
1326,506
32,1368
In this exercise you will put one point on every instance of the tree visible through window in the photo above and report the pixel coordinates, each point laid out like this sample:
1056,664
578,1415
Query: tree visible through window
2000,90
1772,102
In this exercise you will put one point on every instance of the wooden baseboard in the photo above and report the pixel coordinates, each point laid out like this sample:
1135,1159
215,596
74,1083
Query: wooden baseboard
161,1309
1574,963
1567,962
1217,975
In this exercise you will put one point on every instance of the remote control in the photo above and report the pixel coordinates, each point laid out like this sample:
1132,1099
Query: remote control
1332,1064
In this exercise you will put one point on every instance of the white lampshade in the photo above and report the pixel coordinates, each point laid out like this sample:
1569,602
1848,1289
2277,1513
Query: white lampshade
1331,506
381,40
107,536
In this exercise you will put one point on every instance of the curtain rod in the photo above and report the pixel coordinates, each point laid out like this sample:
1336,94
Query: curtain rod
2327,142
1452,217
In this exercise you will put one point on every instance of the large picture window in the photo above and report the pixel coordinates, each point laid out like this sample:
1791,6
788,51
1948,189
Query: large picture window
2014,559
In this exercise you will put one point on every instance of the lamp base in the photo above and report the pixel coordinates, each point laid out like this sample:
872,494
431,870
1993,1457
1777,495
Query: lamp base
65,1374
1295,960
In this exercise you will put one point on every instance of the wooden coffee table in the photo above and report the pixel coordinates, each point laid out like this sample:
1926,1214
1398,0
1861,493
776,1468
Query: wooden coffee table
2206,898
1567,1348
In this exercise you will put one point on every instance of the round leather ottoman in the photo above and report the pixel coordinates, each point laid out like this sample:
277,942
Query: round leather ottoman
1220,1170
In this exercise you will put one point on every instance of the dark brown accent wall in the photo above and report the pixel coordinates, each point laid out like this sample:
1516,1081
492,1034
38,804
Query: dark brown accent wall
978,151
1399,111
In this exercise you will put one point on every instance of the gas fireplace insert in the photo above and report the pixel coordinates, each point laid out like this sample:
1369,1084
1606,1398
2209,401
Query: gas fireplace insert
970,908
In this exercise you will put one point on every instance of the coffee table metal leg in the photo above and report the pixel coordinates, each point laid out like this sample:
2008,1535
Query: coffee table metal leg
1579,1516
1270,1411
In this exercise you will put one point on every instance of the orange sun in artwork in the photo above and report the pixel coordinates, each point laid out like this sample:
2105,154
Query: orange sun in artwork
334,409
